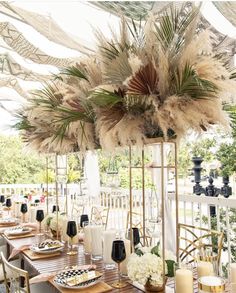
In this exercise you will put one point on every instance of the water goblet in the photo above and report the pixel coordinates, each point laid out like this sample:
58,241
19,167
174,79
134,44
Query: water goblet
118,254
83,219
55,208
71,232
23,210
8,205
39,218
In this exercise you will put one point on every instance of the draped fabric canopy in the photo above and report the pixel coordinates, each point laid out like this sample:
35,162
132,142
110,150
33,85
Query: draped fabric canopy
14,40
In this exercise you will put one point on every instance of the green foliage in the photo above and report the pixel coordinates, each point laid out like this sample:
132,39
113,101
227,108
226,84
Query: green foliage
174,26
73,71
15,165
226,155
104,98
187,82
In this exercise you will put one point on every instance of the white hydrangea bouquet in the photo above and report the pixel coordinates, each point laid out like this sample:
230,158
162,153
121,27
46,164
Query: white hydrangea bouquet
50,222
145,266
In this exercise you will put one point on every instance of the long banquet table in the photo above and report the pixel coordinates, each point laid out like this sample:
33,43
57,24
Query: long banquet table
58,263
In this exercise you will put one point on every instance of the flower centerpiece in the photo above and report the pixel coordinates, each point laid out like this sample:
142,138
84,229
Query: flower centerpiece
145,266
50,222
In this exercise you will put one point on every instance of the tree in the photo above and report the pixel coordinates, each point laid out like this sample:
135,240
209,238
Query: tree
17,166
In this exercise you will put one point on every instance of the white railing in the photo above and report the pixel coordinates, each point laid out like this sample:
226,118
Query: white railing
192,208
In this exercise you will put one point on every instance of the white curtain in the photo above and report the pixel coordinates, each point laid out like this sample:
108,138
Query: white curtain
91,169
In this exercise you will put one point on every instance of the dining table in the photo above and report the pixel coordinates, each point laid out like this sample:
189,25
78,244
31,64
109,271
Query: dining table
62,261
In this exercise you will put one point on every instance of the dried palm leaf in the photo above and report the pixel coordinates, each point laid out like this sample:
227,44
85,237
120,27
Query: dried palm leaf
144,82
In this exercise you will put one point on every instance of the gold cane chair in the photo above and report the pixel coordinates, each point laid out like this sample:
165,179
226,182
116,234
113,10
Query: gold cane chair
12,277
77,210
100,215
137,222
195,241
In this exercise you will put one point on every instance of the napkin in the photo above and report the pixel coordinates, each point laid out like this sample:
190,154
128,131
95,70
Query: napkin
47,276
34,226
15,251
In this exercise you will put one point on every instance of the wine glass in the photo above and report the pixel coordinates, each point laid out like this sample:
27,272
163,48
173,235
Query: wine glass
2,200
136,236
23,210
39,218
8,205
118,254
71,232
55,208
84,219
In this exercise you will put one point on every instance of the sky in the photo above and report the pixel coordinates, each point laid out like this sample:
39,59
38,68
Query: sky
79,18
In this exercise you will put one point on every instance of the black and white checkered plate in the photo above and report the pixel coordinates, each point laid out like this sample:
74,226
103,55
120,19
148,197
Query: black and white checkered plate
60,279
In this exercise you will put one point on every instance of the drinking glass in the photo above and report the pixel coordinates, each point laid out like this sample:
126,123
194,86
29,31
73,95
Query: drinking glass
83,219
136,236
118,254
2,200
71,232
8,204
23,210
39,218
55,208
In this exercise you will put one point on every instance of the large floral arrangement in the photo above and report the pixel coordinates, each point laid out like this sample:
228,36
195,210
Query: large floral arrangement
146,265
157,79
54,222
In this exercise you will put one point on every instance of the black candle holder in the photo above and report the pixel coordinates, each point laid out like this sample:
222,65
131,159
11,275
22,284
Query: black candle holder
210,190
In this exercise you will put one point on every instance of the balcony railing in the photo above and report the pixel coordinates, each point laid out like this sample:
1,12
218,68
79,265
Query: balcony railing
193,209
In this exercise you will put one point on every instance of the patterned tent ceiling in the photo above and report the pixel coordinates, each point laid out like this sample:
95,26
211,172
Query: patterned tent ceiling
15,41
228,9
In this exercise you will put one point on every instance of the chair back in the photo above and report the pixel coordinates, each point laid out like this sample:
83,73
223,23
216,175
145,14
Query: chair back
12,277
195,242
100,215
77,210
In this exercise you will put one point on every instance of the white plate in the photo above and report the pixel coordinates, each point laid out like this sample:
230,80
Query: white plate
18,231
36,249
61,277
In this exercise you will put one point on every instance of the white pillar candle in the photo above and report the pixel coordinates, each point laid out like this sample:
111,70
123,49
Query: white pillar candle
205,269
87,240
232,273
183,281
210,282
108,237
96,237
123,265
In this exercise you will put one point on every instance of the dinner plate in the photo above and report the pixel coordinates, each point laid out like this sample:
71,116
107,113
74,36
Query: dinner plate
46,247
18,230
61,278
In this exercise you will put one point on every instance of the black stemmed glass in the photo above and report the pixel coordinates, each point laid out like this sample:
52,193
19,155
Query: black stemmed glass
8,204
2,200
136,236
55,208
83,219
24,210
39,218
118,254
71,232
